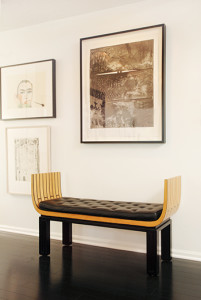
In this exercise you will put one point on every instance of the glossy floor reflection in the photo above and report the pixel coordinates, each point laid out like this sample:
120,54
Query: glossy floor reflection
87,272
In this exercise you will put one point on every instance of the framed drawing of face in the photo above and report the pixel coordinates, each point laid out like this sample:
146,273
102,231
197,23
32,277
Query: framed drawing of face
28,90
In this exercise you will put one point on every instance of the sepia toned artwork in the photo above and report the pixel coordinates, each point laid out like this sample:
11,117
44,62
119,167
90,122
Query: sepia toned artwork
122,87
28,91
28,152
26,158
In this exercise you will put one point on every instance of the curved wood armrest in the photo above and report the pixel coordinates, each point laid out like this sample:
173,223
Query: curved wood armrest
45,186
172,195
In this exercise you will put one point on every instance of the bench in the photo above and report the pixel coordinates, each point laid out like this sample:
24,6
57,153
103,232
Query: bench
146,217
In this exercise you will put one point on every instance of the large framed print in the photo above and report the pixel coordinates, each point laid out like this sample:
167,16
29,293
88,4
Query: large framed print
28,90
28,152
122,86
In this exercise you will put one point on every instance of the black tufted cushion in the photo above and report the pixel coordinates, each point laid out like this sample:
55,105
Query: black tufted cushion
102,208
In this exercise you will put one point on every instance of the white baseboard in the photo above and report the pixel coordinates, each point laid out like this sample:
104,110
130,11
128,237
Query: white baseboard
108,244
18,230
183,254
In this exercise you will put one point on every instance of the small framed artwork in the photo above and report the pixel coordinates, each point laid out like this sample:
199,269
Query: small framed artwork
122,86
28,90
28,152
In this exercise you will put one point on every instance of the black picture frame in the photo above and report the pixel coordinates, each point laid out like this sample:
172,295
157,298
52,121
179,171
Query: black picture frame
122,86
28,90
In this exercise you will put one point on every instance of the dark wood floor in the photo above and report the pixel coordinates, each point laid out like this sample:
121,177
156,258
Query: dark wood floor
84,272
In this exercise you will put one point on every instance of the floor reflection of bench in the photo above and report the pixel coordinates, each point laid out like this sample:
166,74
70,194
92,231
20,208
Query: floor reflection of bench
147,217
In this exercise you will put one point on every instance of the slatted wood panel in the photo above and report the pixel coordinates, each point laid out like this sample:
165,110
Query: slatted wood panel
47,186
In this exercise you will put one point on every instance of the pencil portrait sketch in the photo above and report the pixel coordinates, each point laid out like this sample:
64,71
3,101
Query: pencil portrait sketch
27,160
25,95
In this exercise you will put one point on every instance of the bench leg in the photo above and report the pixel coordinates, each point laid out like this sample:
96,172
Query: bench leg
152,253
66,233
166,243
44,236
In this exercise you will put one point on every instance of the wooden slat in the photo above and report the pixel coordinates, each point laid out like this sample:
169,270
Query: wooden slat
48,186
35,188
59,185
41,186
35,195
53,186
45,186
56,184
38,187
32,188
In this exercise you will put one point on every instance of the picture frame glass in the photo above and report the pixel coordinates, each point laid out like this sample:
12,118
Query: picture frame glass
122,86
28,90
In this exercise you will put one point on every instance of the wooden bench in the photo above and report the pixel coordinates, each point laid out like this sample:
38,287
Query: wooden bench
147,217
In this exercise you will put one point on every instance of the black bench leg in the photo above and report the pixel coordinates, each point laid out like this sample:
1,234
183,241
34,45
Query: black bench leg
166,243
44,236
66,233
152,253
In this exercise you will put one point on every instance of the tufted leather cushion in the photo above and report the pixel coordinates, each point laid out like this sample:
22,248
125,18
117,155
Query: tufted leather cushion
103,208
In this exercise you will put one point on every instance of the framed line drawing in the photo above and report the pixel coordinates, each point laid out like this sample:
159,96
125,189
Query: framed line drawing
28,152
122,86
28,90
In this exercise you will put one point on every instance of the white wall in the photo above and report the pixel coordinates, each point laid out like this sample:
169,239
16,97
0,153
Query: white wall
127,172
